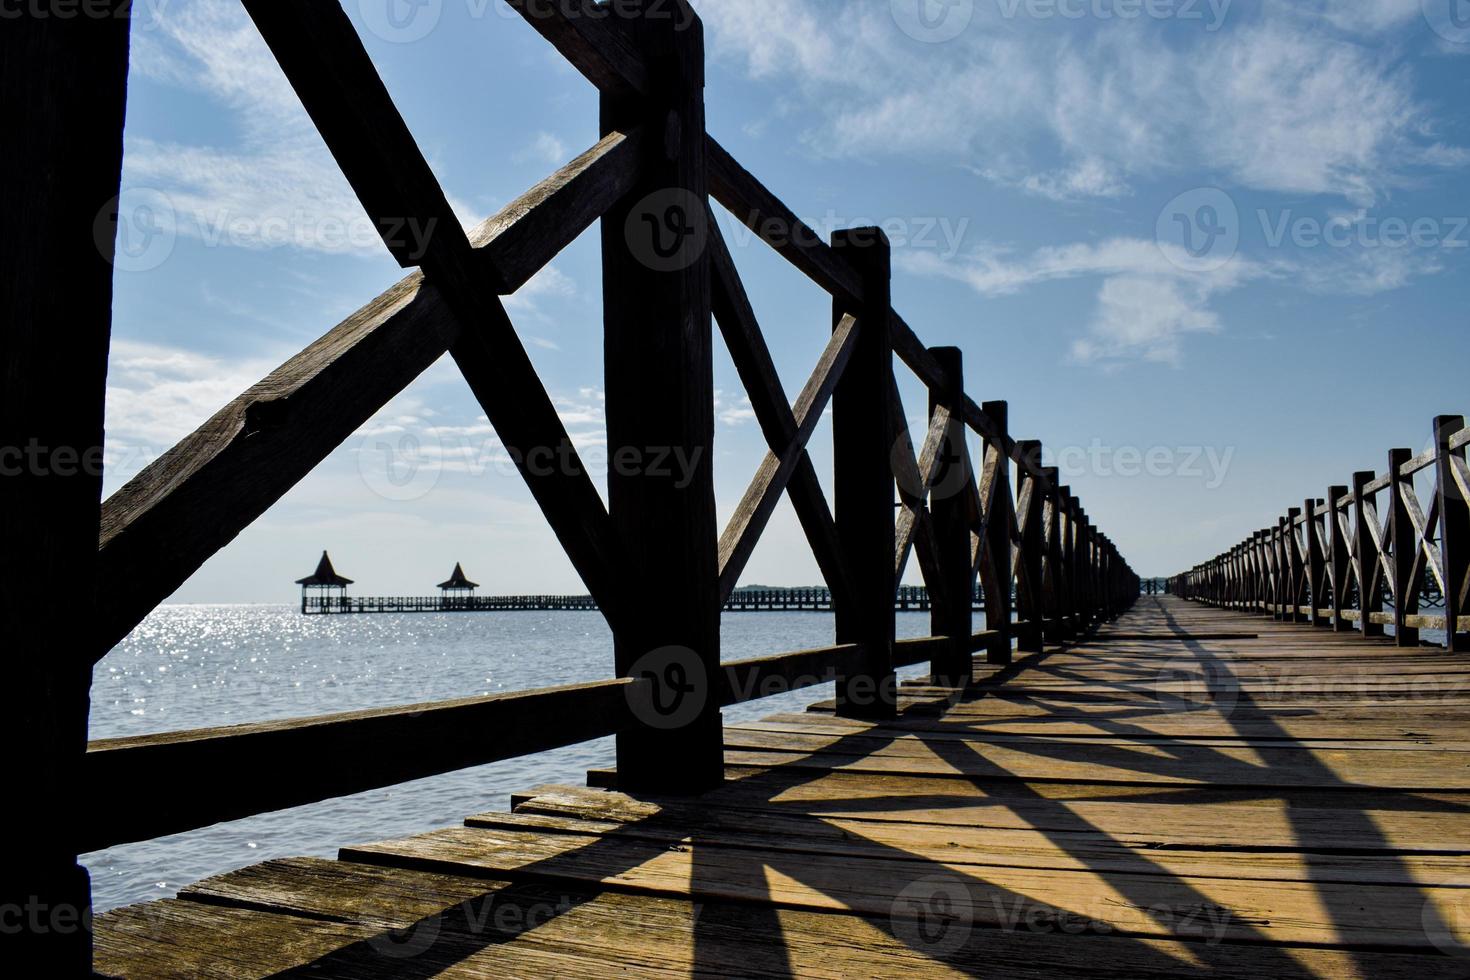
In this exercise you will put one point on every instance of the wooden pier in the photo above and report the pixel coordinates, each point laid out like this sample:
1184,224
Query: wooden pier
1098,782
1188,791
909,598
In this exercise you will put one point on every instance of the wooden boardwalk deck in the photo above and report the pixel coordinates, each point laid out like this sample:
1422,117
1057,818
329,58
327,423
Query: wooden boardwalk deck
1068,816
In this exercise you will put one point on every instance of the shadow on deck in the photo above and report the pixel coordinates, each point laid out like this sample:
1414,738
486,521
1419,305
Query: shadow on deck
1282,801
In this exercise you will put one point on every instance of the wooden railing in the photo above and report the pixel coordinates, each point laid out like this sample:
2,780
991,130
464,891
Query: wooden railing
908,598
652,557
1364,557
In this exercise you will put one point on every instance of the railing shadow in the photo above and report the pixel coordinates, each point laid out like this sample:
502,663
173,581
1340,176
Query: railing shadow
730,899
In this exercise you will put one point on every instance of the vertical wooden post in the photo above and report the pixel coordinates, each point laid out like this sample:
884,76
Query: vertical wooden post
1272,571
1406,549
1078,564
1066,567
1030,605
1252,572
1297,575
1370,564
63,85
1055,628
1094,600
1272,583
1339,559
1283,570
996,568
954,619
1454,530
660,400
1266,582
1316,561
862,476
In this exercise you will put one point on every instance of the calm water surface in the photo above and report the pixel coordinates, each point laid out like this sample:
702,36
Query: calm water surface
198,666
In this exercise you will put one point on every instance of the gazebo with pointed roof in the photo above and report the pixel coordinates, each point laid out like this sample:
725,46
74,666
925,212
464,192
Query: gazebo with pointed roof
458,583
324,580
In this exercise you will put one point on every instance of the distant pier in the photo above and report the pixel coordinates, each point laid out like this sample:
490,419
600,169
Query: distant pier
814,599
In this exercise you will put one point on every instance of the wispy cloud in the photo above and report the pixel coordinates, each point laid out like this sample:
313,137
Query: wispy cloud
1282,100
157,394
271,182
1149,298
544,148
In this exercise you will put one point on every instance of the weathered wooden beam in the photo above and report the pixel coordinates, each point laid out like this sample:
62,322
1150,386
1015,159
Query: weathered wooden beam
761,677
863,437
510,249
915,476
659,376
1406,551
778,226
921,360
952,665
63,87
1339,556
752,358
1316,563
995,558
1454,525
1029,556
777,471
1052,574
330,70
590,36
325,62
194,499
241,770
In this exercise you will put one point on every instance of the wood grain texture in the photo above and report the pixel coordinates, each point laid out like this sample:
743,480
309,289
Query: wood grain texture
242,770
1234,792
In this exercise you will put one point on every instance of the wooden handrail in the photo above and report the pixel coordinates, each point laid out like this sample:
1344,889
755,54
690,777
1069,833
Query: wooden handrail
1346,547
1001,518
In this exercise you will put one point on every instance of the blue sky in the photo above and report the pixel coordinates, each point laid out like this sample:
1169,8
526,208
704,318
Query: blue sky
1214,254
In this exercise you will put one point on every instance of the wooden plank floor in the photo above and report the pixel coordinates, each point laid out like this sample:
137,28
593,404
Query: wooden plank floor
1191,791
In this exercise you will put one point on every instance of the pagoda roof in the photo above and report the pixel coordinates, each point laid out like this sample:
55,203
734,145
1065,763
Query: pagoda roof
458,580
325,574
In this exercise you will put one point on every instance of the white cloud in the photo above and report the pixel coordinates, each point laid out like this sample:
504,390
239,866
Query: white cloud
735,414
1149,298
1369,16
157,394
544,148
1087,178
273,182
1282,101
548,282
1144,317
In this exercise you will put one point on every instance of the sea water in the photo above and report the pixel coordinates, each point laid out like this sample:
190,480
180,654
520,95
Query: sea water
198,666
